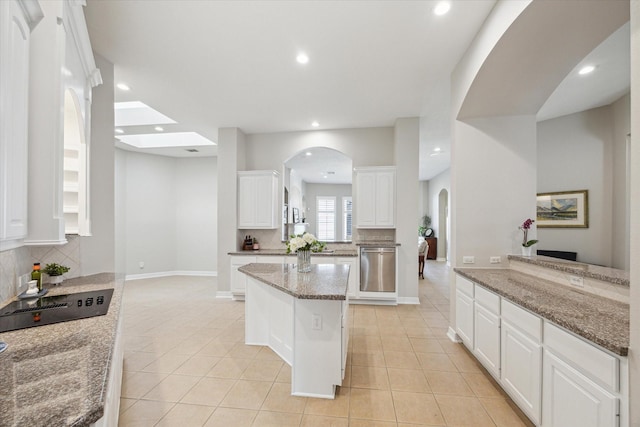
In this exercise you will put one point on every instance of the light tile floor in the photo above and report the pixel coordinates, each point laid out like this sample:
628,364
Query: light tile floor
186,365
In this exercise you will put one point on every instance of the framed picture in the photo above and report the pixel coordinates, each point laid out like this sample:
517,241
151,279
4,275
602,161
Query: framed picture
564,209
296,216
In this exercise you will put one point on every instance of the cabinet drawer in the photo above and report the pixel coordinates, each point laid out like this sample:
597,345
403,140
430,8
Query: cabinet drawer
464,285
593,362
522,319
487,299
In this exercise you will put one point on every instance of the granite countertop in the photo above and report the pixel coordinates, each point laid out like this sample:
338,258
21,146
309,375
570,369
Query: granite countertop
283,252
378,243
600,320
606,274
56,374
324,281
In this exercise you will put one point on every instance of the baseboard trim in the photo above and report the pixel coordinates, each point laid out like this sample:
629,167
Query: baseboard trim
451,333
170,274
409,300
441,260
224,294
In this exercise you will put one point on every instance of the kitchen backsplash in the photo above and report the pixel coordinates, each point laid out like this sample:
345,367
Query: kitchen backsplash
16,262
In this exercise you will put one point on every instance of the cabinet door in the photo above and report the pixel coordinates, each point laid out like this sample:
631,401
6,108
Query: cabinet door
521,369
354,280
464,319
366,199
385,199
570,399
487,339
14,81
247,188
265,200
238,283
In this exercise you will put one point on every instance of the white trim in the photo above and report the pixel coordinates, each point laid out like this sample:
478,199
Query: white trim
409,300
46,242
440,259
451,333
171,274
32,12
224,294
80,34
372,301
5,245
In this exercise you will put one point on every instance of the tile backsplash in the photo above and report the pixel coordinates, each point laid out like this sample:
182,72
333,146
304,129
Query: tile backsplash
16,262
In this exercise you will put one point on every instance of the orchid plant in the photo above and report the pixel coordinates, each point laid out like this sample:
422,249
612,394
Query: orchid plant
304,241
525,229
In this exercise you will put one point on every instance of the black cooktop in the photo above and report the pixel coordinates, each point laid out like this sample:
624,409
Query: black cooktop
54,309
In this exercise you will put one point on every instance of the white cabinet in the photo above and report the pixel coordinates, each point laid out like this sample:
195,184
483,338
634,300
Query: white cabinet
17,18
580,382
486,343
464,311
238,283
258,200
521,361
354,275
376,197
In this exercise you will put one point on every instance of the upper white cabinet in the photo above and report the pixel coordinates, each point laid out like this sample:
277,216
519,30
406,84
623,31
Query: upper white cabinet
258,200
376,197
17,19
62,75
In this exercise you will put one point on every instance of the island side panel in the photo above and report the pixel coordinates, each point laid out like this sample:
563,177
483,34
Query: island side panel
256,313
317,357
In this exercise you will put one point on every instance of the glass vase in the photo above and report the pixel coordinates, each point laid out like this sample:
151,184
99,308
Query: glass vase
304,261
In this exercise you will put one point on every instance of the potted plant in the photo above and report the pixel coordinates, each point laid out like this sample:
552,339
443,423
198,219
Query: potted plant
527,244
425,229
55,272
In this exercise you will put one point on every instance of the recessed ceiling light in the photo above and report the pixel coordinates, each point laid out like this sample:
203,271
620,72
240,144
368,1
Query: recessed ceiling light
123,86
586,70
442,8
434,154
308,153
159,128
437,149
302,58
118,130
315,124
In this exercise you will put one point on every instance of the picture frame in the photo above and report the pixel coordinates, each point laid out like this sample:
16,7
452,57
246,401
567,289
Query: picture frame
296,215
563,209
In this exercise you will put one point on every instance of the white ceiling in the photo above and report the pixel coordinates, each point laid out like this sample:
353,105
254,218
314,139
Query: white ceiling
212,64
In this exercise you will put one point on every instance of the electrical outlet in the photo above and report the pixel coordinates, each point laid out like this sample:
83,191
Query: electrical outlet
316,322
576,281
495,260
468,259
141,264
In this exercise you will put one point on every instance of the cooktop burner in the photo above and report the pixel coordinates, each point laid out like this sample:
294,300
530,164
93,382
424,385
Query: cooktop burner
54,309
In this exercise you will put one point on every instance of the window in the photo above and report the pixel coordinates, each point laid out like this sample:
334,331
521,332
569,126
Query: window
326,218
346,218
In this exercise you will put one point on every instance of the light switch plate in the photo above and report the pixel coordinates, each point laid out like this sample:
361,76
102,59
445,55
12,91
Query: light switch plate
468,259
495,260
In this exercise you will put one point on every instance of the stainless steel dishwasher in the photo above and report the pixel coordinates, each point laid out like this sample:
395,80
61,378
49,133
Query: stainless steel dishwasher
377,269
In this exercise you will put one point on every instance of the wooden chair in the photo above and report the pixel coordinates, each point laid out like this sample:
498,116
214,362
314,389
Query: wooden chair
423,248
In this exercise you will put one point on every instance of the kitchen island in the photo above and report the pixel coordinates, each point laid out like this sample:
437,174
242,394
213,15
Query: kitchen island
302,317
65,374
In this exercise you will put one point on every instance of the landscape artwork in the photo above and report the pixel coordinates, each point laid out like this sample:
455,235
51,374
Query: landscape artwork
565,209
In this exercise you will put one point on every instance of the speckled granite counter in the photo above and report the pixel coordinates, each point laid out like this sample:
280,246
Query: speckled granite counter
597,272
56,375
324,281
283,252
598,319
378,243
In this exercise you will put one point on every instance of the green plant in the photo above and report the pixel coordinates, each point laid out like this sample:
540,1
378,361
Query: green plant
426,223
54,269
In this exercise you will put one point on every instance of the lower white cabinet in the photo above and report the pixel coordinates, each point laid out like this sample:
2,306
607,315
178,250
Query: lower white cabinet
239,280
570,399
464,311
521,359
486,343
354,274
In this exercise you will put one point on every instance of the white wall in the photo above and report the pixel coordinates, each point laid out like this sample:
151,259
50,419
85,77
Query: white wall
621,114
576,152
98,252
196,214
171,213
328,190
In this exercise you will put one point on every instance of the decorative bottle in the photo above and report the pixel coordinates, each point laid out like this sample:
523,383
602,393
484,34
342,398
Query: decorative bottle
37,275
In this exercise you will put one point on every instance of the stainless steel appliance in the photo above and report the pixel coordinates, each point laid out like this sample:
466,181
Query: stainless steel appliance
54,309
378,269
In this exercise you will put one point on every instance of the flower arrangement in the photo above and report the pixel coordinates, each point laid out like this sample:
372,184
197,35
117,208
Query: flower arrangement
305,241
525,229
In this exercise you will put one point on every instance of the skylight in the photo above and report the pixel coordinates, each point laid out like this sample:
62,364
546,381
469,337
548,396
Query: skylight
163,140
136,113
